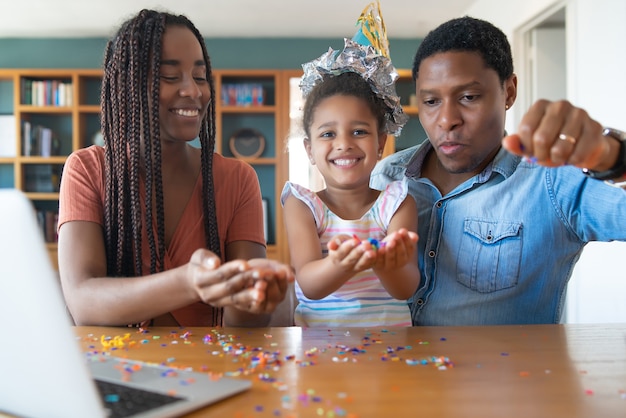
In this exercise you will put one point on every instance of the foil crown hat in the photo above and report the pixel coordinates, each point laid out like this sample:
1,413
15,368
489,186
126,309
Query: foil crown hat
366,54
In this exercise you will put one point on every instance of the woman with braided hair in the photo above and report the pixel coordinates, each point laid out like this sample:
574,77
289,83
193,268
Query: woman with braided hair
151,229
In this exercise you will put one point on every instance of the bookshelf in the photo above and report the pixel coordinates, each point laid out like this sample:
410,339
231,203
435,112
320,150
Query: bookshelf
252,104
52,113
412,133
73,123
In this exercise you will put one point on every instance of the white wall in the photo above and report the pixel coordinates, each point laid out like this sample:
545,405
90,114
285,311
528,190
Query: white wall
548,64
596,61
596,35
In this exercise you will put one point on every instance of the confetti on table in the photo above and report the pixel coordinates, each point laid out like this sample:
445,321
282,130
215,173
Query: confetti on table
442,363
261,362
112,343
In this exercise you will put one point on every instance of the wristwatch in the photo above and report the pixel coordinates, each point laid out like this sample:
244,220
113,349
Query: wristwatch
619,168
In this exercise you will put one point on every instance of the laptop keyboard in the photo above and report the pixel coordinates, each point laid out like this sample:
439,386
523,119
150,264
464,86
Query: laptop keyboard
124,401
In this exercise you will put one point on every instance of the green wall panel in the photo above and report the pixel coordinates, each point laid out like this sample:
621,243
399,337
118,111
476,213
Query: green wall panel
226,53
51,53
7,177
6,97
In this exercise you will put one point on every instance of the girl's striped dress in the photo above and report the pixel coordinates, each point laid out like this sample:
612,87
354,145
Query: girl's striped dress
362,301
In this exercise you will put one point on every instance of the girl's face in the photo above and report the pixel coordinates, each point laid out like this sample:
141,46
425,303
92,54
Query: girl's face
185,90
345,142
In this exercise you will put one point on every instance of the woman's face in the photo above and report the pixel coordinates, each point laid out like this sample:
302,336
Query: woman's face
185,91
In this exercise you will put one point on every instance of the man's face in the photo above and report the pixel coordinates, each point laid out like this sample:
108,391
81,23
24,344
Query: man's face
462,109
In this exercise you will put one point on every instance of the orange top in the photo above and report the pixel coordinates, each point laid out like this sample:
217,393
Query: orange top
238,207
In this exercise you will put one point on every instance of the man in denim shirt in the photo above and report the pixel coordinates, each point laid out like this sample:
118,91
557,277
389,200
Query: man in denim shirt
502,221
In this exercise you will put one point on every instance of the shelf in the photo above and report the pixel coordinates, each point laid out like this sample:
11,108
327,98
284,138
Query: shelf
75,125
42,196
89,109
411,110
260,161
55,159
235,89
248,109
23,108
65,119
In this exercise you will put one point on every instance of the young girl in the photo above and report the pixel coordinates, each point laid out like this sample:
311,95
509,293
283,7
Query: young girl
353,247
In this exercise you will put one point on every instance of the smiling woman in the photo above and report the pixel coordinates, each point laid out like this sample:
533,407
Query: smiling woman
185,92
153,211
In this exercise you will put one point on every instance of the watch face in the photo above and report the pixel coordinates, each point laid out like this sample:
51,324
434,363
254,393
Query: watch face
247,143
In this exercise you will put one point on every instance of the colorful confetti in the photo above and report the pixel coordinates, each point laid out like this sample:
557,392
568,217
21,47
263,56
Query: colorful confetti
261,363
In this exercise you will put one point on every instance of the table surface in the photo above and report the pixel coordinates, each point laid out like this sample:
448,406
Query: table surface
491,371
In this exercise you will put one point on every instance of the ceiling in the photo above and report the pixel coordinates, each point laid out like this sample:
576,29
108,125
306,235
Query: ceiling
225,18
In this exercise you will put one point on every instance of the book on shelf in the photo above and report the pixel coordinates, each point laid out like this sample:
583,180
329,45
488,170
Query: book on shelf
7,136
27,92
39,140
41,178
26,139
44,136
46,92
243,94
48,221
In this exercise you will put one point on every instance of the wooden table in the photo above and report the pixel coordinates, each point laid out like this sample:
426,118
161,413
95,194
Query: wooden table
495,371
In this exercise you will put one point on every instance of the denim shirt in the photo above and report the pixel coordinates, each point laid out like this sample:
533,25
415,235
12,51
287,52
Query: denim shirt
500,247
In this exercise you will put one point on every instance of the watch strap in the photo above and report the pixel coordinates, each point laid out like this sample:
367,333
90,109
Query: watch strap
619,168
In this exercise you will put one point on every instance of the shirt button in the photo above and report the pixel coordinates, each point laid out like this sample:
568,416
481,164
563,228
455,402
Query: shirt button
420,302
431,253
439,204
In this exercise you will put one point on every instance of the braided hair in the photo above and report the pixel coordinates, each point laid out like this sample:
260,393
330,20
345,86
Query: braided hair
130,112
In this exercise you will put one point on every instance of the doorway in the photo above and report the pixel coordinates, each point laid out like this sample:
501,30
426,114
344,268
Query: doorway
596,288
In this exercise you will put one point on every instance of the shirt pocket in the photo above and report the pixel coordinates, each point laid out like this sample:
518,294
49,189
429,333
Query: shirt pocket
489,255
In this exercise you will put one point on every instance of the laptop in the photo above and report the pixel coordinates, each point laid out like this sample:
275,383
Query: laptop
43,372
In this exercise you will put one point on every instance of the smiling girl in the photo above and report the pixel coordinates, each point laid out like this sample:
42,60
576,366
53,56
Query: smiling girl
353,247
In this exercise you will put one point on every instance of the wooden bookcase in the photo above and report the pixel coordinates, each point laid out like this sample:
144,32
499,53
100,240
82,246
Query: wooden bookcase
256,100
412,133
75,122
59,119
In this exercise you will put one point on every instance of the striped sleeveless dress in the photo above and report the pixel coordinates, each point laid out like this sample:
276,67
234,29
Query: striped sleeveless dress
362,301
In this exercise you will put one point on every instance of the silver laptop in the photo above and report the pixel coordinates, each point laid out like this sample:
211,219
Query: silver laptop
43,372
